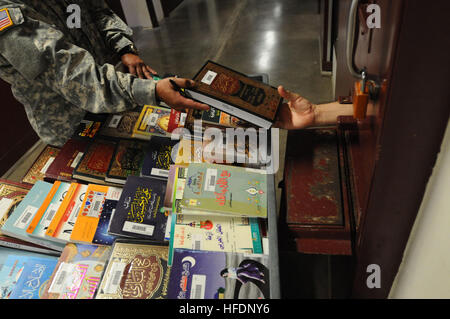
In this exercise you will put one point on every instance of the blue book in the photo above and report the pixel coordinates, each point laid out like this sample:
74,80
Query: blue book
102,237
17,223
158,157
18,267
199,274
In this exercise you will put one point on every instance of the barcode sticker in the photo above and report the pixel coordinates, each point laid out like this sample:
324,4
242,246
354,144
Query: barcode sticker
209,77
198,287
47,164
63,278
77,160
151,119
49,213
26,216
210,180
160,172
115,275
197,241
183,117
114,193
94,204
115,120
136,228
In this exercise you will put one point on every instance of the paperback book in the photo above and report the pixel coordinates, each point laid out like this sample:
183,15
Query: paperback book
158,157
90,213
61,227
136,270
16,225
225,190
198,274
78,272
138,213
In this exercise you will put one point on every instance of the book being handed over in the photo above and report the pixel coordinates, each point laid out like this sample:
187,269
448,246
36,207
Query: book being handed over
236,94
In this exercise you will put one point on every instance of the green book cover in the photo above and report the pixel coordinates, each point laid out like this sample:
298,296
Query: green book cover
226,190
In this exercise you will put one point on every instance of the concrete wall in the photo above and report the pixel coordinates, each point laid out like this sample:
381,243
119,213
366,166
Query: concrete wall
425,269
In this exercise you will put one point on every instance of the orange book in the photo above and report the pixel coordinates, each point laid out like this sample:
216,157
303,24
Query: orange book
43,208
62,209
89,215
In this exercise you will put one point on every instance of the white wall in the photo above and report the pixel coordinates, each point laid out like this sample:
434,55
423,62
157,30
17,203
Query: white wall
136,13
425,269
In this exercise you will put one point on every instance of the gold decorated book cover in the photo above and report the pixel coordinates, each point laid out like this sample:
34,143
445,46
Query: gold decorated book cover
136,271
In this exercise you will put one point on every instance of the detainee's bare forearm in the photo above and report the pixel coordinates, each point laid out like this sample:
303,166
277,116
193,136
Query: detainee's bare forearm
327,114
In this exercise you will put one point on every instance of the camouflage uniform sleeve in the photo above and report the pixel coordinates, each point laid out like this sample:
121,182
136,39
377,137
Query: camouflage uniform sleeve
39,51
117,33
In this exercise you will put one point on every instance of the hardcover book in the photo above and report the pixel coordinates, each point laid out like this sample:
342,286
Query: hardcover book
67,159
236,94
127,160
48,209
23,275
158,157
39,168
225,189
138,213
159,121
94,164
16,225
198,274
120,125
217,233
78,272
60,229
136,271
90,212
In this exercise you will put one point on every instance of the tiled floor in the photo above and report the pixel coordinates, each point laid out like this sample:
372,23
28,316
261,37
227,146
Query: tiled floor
276,37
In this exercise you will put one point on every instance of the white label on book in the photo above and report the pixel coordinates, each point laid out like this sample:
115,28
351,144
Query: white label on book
115,120
50,213
183,117
265,244
47,164
77,160
115,275
136,228
151,119
168,227
210,180
209,77
160,172
94,204
114,193
63,278
197,241
5,204
198,285
26,216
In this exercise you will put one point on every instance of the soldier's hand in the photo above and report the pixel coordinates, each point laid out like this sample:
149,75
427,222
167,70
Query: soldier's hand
297,113
173,98
137,66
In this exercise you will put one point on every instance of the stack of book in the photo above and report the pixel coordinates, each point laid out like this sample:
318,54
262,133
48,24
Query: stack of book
123,211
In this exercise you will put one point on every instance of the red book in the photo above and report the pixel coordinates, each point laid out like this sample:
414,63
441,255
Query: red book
66,161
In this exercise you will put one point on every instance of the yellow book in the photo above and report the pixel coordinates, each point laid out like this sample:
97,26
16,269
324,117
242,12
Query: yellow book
153,120
89,215
43,208
62,209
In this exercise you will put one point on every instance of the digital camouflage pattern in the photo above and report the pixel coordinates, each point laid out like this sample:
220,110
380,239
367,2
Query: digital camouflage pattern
59,73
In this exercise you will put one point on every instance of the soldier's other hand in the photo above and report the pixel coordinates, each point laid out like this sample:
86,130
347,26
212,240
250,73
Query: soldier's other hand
137,66
297,113
173,98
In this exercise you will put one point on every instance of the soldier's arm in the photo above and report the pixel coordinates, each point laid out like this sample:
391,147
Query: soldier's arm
39,51
117,34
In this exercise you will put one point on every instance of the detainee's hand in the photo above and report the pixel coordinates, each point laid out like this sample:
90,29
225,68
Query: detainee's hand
297,113
137,66
173,98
